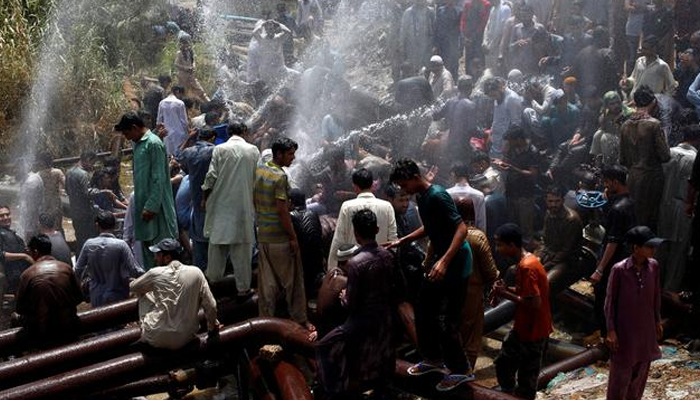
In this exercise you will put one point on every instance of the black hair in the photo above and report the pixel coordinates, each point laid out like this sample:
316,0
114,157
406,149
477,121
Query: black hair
211,118
515,132
556,190
510,234
362,178
460,170
403,170
178,89
283,145
44,160
615,173
190,102
364,222
493,83
41,244
47,221
105,220
144,115
691,133
481,156
88,155
237,128
5,206
644,96
164,80
111,161
392,191
297,198
206,134
174,254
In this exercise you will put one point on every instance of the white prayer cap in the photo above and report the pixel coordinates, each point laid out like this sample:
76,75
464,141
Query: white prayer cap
436,59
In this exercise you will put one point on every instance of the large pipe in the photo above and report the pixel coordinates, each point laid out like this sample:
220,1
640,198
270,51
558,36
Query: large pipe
291,382
109,316
556,349
586,357
424,386
59,359
166,383
498,316
120,370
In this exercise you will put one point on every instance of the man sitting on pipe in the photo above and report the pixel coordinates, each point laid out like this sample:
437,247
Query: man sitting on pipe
170,297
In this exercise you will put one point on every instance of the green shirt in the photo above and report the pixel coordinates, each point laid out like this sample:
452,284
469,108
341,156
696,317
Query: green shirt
152,190
270,185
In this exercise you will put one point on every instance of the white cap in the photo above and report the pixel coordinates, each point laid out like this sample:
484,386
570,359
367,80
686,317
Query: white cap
436,59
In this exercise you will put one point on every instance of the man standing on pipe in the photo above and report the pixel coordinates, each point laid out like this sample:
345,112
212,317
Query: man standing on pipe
524,348
632,310
448,266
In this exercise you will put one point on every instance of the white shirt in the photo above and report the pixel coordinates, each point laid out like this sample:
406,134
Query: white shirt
169,302
505,114
172,114
655,74
344,232
230,214
494,27
464,190
443,84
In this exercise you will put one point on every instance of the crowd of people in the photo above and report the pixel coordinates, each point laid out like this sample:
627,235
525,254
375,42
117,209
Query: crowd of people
542,136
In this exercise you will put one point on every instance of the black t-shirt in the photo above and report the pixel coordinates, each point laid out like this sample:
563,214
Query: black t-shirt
517,185
618,221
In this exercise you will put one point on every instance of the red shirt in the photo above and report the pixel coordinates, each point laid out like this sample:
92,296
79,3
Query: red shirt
531,280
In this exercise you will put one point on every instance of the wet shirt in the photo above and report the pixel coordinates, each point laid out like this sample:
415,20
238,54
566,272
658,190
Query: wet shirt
531,280
270,185
632,310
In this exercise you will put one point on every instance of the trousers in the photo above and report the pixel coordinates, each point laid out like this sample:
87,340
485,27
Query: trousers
240,254
521,358
280,274
627,382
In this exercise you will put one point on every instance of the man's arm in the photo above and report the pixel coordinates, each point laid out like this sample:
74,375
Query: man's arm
18,257
133,269
608,254
342,235
392,233
143,284
208,303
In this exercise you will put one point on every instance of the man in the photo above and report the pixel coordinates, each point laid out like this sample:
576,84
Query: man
507,112
285,19
153,196
461,189
633,313
81,196
59,248
524,347
441,80
460,115
447,37
13,256
108,262
485,274
521,50
170,297
493,33
195,161
561,121
605,146
413,91
230,229
307,226
674,224
309,18
685,74
361,352
47,296
643,150
562,233
173,115
521,165
474,18
154,94
31,199
280,270
362,181
416,33
447,267
619,219
652,71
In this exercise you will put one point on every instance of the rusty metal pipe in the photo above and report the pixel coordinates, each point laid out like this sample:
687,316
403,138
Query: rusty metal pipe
166,383
260,385
582,359
556,349
424,386
291,382
498,316
105,317
118,371
59,359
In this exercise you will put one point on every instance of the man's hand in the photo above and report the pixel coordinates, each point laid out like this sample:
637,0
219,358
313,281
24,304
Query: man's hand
28,259
432,173
392,245
611,341
293,246
147,215
596,276
437,273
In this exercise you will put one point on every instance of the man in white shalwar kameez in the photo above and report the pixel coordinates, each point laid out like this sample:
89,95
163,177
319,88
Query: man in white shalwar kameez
228,193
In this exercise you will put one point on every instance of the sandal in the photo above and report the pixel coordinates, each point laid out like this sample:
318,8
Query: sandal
424,368
451,381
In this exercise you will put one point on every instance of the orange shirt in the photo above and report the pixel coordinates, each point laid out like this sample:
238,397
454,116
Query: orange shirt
531,280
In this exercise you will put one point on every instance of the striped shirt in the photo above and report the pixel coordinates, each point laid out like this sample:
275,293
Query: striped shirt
270,185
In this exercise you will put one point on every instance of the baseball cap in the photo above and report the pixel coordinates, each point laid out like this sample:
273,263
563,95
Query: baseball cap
165,245
643,236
